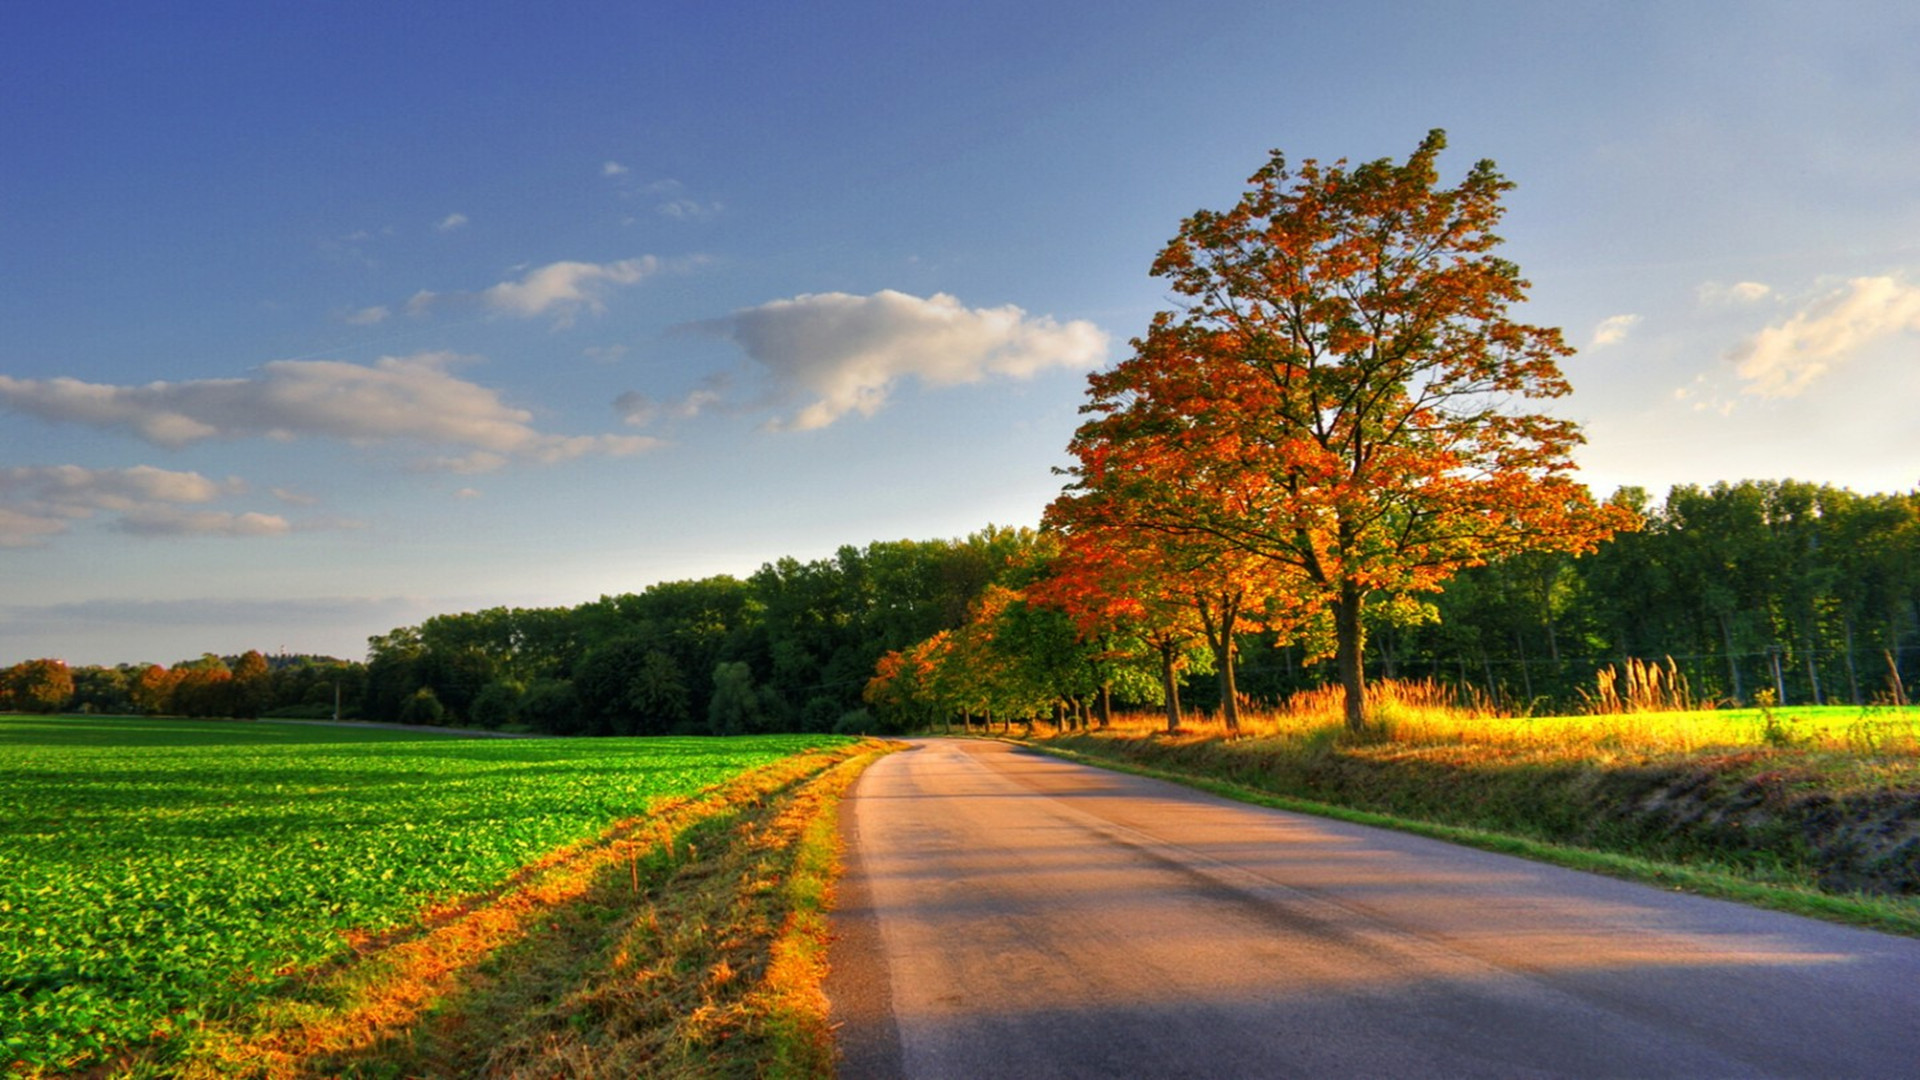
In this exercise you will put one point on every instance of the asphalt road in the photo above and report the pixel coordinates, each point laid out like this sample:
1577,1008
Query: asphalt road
1006,914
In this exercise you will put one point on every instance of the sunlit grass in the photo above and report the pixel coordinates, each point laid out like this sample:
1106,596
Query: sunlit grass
1415,714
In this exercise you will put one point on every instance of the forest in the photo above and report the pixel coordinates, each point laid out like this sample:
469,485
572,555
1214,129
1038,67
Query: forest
1809,593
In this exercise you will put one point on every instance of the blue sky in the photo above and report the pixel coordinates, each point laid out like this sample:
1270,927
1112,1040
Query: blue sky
321,319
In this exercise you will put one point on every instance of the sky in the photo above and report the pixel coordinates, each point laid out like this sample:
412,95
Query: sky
323,319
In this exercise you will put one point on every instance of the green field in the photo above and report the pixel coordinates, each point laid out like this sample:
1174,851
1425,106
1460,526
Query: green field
154,873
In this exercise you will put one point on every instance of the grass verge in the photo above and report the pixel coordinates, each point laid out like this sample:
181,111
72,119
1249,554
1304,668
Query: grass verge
1512,813
687,943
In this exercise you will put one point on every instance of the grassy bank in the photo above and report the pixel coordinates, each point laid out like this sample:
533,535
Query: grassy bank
1816,811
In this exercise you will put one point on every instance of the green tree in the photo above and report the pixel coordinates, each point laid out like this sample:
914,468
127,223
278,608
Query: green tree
497,705
423,707
631,686
737,707
552,706
104,689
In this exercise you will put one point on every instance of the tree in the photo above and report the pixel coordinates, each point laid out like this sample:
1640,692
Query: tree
497,705
1337,396
1138,584
202,687
629,686
38,686
252,685
103,689
152,690
737,707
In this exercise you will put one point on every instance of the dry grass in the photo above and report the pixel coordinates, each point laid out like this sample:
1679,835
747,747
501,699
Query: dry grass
1642,687
687,943
1427,714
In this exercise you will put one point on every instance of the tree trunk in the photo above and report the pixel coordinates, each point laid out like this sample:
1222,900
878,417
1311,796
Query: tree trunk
1349,641
1171,686
1219,628
1105,704
1853,672
1813,676
1229,689
1733,662
1526,672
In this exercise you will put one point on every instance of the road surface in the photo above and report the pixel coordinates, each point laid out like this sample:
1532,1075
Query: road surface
1006,914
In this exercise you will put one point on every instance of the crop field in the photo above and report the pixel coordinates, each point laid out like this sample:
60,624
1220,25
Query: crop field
155,874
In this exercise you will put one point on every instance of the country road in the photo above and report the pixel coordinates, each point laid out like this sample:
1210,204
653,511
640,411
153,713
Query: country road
1006,914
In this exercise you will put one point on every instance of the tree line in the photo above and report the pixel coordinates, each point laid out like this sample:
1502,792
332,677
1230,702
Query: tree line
1808,593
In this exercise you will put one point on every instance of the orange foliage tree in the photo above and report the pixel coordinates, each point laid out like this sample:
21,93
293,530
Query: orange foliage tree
1343,395
39,686
1112,579
1113,598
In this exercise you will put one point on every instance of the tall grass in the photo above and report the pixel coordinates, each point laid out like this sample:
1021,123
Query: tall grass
1655,714
1642,687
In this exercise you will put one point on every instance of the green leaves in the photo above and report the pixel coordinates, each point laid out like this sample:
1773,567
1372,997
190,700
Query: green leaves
159,869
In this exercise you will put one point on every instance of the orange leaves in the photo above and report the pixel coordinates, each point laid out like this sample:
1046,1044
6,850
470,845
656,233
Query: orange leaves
1336,407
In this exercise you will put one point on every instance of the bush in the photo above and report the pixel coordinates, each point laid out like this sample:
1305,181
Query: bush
550,705
497,705
857,722
423,708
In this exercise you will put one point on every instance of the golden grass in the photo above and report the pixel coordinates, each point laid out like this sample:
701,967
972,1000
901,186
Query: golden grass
1641,687
1427,714
690,942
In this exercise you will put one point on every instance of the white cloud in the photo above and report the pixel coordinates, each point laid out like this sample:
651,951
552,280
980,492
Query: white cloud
614,168
450,223
566,287
367,316
404,399
847,352
38,502
1787,357
561,289
689,210
1612,330
1743,292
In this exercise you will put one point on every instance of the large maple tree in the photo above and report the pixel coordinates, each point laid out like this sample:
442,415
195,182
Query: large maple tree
1343,394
